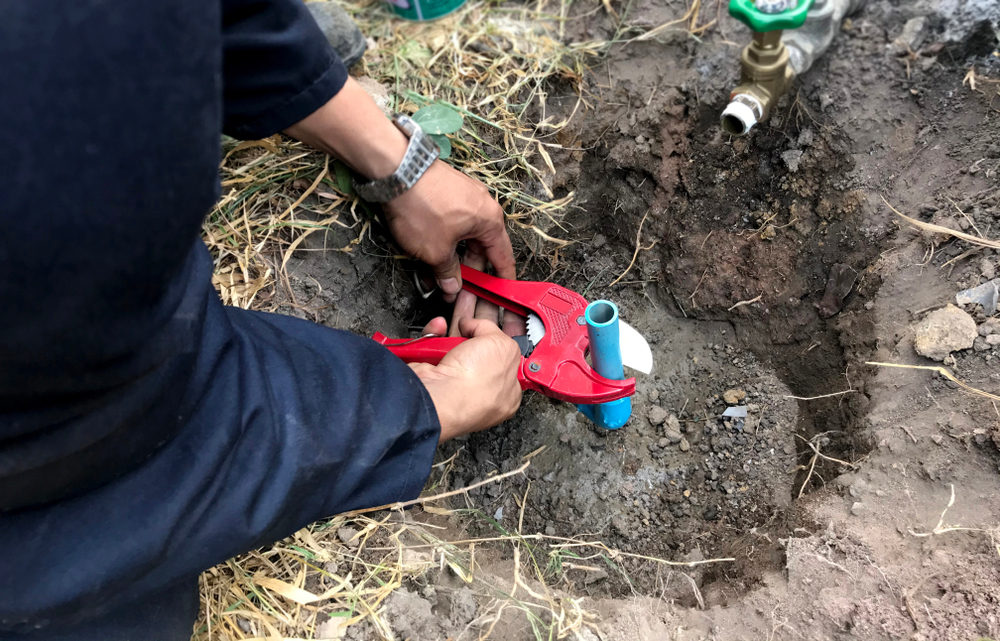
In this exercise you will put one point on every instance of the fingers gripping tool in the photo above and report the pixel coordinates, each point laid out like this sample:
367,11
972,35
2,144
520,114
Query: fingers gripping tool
561,332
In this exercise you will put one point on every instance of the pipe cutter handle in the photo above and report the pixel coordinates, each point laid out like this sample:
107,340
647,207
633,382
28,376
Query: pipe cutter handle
558,366
574,381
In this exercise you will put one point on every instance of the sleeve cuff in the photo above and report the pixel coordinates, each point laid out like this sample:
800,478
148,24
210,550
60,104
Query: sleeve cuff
282,116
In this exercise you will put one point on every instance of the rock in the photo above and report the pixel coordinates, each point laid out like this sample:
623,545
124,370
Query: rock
733,396
656,415
685,446
340,30
858,508
672,429
411,615
980,344
711,513
792,157
664,442
332,628
987,269
943,332
839,284
550,530
986,295
346,536
937,438
914,32
993,339
990,326
654,395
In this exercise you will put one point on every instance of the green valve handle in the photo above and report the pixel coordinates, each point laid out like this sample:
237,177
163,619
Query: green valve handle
747,12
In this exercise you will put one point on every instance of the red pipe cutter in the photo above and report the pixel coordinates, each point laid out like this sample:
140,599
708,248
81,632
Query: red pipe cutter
553,361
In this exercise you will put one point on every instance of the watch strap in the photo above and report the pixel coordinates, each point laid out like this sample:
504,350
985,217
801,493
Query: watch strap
421,152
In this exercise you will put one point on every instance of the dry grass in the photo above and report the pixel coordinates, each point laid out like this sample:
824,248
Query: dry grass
339,573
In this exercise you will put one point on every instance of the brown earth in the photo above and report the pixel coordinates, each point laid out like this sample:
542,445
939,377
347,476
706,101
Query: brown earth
845,551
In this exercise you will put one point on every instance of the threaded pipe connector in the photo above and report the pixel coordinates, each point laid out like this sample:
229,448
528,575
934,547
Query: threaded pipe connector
740,115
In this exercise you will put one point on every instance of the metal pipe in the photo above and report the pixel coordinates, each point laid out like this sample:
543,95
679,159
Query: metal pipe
768,64
764,76
606,358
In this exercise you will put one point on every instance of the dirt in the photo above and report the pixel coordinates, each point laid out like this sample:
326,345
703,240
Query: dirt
828,505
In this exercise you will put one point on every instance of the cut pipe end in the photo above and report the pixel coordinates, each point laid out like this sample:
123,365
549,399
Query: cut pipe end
738,118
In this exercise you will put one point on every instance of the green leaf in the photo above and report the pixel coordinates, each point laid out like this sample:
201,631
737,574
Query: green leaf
438,119
345,182
415,53
444,144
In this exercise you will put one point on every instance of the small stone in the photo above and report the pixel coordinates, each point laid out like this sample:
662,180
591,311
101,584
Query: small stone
990,326
943,332
937,438
654,395
870,305
656,415
340,30
711,513
988,270
672,429
564,439
331,567
993,339
346,536
980,344
664,442
912,37
858,508
685,446
733,396
550,530
792,158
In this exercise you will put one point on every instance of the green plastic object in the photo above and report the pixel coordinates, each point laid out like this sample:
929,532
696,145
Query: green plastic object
757,20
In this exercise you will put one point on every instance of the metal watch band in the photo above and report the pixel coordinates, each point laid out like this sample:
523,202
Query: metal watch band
420,154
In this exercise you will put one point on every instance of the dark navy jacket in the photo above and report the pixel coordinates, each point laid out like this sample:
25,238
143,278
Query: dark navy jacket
147,432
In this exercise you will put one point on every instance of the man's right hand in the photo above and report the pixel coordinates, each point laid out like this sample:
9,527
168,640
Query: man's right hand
475,385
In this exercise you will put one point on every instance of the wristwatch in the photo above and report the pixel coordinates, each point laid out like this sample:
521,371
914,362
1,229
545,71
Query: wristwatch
420,155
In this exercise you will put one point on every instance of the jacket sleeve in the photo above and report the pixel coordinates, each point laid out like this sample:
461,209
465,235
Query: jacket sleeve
277,66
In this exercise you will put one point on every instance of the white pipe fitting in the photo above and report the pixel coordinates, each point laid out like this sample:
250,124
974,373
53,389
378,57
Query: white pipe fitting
741,115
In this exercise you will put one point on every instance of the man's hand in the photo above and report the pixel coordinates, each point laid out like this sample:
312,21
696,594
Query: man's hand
444,207
475,385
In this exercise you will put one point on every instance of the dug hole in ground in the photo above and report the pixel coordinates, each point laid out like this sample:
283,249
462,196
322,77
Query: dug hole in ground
767,272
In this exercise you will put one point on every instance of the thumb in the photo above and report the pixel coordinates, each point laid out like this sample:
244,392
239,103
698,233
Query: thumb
449,276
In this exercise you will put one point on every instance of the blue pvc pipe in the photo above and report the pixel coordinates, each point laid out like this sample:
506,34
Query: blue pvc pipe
606,358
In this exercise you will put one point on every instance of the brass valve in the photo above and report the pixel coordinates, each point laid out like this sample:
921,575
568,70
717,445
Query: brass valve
764,77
